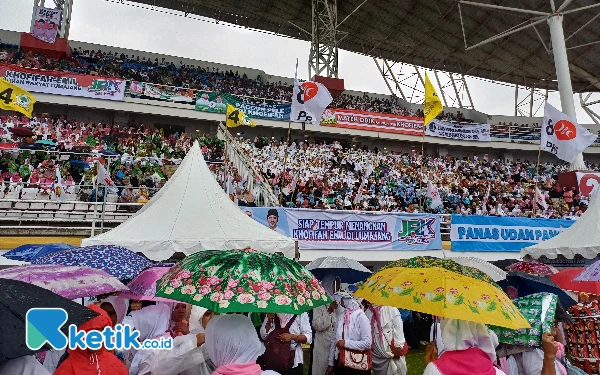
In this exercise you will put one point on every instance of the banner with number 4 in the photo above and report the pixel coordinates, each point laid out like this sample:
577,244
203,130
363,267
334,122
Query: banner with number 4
236,117
562,136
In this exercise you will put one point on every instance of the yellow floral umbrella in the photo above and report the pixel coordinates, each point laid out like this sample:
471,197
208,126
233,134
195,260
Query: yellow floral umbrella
444,293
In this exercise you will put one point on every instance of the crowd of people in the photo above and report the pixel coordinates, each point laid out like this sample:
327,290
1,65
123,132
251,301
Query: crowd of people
329,176
135,156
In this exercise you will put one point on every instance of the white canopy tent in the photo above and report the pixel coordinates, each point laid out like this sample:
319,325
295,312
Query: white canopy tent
192,213
583,237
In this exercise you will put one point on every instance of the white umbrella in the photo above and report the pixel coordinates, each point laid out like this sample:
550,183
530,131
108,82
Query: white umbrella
492,271
348,270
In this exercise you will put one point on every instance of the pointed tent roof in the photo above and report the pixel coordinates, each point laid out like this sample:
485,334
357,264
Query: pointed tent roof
192,213
583,237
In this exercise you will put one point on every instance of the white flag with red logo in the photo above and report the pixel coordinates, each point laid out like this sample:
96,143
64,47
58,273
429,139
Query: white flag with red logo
309,101
540,199
562,136
104,178
434,194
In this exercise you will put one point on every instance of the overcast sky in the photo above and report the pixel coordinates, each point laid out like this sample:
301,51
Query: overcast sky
114,24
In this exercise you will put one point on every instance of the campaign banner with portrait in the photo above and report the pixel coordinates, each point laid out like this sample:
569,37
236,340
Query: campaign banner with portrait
215,102
62,83
169,93
470,132
493,233
351,230
45,25
370,121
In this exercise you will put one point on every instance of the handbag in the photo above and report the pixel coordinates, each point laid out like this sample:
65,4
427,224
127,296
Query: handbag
355,359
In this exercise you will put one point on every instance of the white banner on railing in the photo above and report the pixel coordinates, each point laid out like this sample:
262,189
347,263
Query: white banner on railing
442,129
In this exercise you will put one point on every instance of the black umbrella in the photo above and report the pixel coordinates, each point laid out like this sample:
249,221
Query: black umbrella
16,298
527,284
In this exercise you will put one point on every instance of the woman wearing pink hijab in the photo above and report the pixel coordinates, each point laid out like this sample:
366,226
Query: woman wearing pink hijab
233,346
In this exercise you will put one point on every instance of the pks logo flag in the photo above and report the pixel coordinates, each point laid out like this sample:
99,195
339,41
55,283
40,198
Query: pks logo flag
563,136
309,101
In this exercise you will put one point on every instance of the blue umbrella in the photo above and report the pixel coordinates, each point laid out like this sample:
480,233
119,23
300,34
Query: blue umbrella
45,142
348,270
117,261
29,252
80,163
108,152
526,284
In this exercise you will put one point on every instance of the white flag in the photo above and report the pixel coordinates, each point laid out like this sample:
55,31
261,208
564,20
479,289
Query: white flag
434,194
359,195
59,187
104,179
540,199
309,101
562,136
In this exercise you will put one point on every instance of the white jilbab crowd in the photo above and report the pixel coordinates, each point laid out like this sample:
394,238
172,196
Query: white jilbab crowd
351,337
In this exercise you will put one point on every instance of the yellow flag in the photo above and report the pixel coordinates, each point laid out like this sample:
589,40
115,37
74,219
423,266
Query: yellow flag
14,98
236,117
433,106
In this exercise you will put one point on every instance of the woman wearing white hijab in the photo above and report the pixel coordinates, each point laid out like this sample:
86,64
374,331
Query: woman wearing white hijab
387,328
26,365
188,355
468,349
152,322
233,346
324,325
353,331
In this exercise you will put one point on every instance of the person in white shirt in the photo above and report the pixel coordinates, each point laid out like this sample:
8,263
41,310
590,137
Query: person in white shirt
388,340
300,332
26,365
353,331
324,323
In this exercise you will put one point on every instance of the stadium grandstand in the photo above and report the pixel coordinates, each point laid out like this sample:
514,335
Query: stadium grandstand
362,157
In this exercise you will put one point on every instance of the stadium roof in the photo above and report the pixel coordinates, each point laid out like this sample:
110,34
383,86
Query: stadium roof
429,33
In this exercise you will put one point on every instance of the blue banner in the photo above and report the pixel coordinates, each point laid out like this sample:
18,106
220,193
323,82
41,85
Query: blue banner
493,233
351,230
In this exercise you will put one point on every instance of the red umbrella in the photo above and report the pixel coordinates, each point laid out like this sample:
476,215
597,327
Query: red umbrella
564,279
533,268
21,131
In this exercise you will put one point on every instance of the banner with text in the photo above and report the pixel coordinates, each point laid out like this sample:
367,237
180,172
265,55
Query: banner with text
45,25
587,182
169,93
371,121
210,101
492,233
335,230
475,132
61,83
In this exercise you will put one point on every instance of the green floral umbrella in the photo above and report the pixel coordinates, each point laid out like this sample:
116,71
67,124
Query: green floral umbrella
448,264
243,281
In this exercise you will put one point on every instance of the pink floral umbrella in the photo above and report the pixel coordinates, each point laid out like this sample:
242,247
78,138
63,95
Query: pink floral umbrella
533,268
143,287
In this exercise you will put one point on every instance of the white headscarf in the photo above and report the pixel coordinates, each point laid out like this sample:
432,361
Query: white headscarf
196,319
120,306
462,335
232,339
26,365
151,321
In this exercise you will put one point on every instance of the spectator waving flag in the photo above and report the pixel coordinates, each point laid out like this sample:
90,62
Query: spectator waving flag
236,117
434,194
540,199
59,187
433,105
14,98
562,136
104,178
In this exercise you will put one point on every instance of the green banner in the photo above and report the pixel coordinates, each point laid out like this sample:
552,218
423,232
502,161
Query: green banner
210,101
